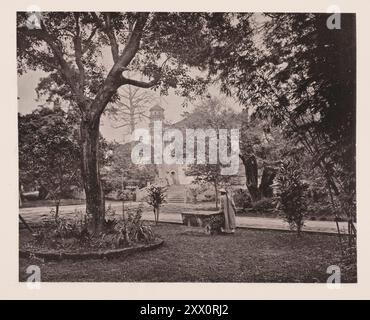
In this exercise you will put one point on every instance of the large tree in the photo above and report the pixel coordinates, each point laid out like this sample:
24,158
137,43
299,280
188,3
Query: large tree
71,48
303,79
48,152
261,151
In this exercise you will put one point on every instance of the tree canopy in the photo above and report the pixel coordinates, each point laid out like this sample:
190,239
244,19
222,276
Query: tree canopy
48,151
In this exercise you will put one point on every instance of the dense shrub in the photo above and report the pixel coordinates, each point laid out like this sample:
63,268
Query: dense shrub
318,209
75,234
126,195
71,228
292,193
242,199
194,190
349,261
216,223
129,195
132,229
265,204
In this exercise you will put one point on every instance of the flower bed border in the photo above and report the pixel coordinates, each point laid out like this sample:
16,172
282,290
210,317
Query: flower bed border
113,253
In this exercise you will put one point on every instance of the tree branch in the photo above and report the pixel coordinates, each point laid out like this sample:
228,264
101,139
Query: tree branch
67,72
143,84
88,40
121,125
115,79
78,53
112,37
133,42
106,27
140,84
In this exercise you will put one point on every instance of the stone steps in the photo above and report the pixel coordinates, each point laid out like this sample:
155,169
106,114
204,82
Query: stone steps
176,194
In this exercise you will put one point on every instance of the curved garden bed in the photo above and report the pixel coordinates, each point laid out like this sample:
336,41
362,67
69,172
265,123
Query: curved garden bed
111,253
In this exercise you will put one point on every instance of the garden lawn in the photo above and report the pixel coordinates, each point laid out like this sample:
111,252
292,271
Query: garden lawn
247,256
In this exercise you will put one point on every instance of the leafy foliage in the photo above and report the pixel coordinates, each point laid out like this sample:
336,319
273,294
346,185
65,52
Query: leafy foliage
264,204
349,260
156,196
211,113
66,229
48,151
292,194
122,172
261,150
216,223
195,189
301,77
132,229
242,199
75,234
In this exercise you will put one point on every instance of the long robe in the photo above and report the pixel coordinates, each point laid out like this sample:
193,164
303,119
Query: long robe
227,207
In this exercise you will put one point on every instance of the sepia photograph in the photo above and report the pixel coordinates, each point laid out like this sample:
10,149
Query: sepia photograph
187,147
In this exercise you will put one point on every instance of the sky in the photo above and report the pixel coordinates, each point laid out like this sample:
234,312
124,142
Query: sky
27,102
172,105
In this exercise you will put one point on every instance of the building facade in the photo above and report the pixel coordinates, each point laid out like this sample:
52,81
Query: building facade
175,174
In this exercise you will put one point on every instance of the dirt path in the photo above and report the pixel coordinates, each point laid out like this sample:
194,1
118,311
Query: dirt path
172,213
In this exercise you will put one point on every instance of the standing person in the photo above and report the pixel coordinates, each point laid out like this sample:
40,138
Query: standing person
228,209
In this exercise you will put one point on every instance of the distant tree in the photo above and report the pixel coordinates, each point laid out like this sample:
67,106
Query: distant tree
132,106
49,152
211,113
123,172
261,149
208,173
195,190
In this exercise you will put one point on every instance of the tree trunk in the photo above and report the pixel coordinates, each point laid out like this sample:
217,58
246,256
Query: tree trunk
216,194
268,176
299,229
157,215
95,205
251,173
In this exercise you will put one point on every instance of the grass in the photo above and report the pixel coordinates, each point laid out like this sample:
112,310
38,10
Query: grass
249,212
247,256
